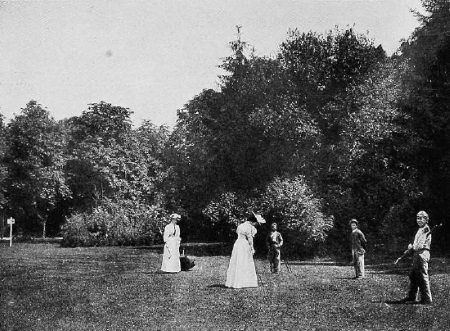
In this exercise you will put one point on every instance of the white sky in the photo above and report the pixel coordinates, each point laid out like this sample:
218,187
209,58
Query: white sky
154,56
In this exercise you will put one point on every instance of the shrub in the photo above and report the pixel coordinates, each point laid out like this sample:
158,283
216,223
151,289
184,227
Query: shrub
111,224
288,202
292,204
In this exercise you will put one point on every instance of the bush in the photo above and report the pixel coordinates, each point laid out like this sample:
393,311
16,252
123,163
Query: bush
226,213
114,224
291,204
288,202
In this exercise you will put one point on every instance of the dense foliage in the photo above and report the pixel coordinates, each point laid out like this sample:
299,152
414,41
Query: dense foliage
34,159
3,170
122,223
331,128
115,175
288,202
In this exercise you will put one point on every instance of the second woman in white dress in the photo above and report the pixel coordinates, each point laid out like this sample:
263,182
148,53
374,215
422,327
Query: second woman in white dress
241,270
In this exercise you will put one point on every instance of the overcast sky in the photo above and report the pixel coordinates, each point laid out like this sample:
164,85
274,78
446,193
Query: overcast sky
154,56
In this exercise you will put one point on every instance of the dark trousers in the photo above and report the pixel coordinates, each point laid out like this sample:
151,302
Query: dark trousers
419,279
274,259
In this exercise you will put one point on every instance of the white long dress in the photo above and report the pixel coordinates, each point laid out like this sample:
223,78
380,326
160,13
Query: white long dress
241,270
171,255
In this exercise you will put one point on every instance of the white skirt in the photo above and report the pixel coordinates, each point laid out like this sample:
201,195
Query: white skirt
171,256
241,270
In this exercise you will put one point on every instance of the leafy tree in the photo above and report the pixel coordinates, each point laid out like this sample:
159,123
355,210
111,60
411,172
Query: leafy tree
35,162
248,132
322,67
3,172
239,138
96,139
326,71
102,120
117,179
273,117
427,104
374,175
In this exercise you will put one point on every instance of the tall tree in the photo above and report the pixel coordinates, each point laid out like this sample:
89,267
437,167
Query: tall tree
94,138
376,181
3,172
108,159
252,129
241,137
35,164
102,121
322,67
427,104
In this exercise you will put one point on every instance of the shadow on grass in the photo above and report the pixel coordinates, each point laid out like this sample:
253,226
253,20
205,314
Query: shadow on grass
217,286
394,302
196,249
320,263
378,265
389,269
436,266
403,303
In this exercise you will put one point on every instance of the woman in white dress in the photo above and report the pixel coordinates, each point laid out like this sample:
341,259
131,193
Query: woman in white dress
171,255
241,270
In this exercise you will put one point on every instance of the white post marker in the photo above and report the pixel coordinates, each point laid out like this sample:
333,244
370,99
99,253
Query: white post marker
10,221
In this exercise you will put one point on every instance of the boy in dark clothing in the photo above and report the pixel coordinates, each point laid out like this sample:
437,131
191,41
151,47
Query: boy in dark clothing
358,242
274,242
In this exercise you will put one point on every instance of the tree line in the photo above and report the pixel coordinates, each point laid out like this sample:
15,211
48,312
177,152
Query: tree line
331,128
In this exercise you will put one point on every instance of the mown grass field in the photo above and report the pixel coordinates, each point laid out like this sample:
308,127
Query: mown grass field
46,287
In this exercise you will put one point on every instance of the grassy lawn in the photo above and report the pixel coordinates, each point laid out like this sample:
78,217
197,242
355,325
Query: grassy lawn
46,287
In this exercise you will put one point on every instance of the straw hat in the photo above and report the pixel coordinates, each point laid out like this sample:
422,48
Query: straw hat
259,218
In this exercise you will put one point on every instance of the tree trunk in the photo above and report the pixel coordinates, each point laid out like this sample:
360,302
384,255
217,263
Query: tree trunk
44,229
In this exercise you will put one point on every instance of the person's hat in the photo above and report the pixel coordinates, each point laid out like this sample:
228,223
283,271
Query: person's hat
259,218
424,214
354,221
177,216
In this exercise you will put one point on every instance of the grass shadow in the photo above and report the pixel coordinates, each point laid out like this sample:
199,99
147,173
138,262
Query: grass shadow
393,302
437,265
195,249
389,269
320,263
217,286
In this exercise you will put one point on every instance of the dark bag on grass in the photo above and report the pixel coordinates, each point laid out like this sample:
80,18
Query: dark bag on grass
186,262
